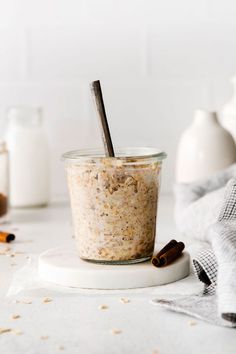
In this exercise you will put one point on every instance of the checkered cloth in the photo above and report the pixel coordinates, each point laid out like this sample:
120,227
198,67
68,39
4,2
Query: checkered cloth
205,267
216,268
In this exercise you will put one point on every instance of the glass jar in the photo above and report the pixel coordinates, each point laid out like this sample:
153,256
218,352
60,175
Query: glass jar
114,203
4,182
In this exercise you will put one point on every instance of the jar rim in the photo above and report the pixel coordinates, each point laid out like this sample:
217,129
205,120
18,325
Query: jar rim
124,153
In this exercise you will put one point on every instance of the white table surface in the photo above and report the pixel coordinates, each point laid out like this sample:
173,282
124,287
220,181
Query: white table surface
75,321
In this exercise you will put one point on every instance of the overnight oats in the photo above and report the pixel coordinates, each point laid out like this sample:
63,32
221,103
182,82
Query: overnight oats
114,203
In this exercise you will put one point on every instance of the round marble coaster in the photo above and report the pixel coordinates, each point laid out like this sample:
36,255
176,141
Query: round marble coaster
63,266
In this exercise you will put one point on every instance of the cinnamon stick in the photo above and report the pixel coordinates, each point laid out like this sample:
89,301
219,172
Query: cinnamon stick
169,256
6,236
155,259
3,204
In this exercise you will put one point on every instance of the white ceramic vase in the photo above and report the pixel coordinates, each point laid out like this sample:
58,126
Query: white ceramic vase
204,148
228,113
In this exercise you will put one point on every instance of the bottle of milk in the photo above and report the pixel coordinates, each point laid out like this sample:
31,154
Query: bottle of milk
4,182
28,157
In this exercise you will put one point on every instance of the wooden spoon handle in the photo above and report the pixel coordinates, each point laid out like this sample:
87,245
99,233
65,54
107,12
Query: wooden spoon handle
100,108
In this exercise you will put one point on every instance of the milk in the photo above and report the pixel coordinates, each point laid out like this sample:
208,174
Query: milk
29,158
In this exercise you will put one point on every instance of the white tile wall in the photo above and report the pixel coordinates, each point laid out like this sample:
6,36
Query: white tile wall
10,54
222,12
86,51
42,13
158,61
147,11
191,51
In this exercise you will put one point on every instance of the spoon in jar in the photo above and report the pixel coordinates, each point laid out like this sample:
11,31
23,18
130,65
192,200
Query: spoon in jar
96,91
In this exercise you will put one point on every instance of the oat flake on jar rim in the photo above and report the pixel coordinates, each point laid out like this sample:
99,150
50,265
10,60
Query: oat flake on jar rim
114,203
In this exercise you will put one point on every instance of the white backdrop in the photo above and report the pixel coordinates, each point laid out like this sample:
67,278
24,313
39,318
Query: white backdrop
157,60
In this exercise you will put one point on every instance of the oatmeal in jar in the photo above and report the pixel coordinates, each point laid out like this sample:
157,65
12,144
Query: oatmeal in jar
114,205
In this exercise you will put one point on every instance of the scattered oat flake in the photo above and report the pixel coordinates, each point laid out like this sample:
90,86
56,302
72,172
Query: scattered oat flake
47,300
116,331
61,347
19,252
15,316
44,337
16,301
4,330
124,300
155,351
17,332
10,255
192,323
103,307
26,301
5,251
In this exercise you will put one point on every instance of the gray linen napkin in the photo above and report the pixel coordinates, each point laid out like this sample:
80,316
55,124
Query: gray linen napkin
216,268
198,203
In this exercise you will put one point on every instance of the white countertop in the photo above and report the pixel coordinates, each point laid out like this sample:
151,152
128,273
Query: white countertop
75,322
